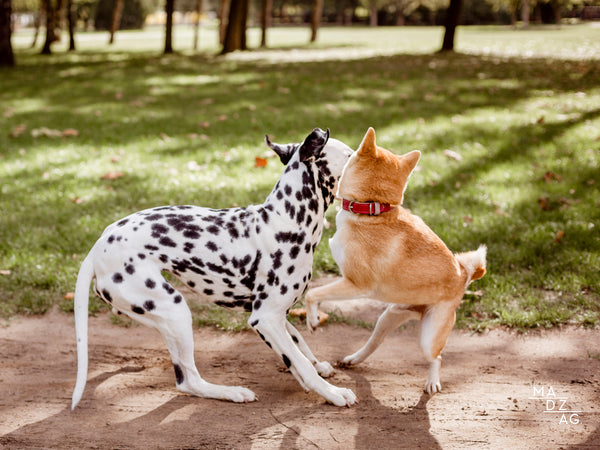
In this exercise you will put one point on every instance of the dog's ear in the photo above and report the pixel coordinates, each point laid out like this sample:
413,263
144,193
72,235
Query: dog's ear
368,145
284,151
411,159
313,144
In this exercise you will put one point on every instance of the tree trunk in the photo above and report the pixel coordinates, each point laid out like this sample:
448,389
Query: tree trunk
197,23
315,19
265,19
222,21
169,9
7,57
72,19
51,20
372,15
525,11
235,35
116,20
37,22
450,24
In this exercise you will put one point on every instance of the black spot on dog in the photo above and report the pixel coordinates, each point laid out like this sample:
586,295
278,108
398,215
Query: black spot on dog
122,222
209,291
213,229
149,305
254,323
141,256
178,374
272,278
110,239
291,269
150,283
256,305
177,298
154,217
307,248
117,278
188,247
300,215
137,309
283,290
167,241
286,361
212,246
106,296
295,339
167,287
159,229
163,258
151,247
276,257
130,269
295,250
220,270
191,284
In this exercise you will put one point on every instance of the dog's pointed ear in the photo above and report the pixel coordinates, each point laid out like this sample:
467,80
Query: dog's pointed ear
368,145
411,159
285,152
313,144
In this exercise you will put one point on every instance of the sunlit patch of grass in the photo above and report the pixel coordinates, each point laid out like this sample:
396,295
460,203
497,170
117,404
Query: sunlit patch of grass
185,129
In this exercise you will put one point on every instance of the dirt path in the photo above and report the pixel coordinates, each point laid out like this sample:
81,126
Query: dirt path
131,402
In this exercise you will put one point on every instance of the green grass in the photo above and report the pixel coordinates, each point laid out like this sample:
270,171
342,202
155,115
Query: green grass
186,129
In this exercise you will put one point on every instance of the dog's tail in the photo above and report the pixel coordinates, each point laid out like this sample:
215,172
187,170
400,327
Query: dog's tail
473,263
82,292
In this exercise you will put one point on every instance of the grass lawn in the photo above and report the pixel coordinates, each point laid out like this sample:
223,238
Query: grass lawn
520,108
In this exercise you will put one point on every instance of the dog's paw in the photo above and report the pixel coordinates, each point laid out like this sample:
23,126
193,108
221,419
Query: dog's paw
341,397
351,360
325,369
239,394
312,316
432,387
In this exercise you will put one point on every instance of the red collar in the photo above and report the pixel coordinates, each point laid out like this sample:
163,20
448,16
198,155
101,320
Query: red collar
367,208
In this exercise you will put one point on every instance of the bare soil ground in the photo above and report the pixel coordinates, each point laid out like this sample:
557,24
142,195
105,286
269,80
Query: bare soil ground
489,384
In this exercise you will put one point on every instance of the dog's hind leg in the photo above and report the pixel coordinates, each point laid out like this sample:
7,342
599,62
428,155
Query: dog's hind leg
390,319
271,328
178,335
323,367
436,326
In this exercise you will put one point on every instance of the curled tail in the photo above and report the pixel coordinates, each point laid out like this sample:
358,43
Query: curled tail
473,263
82,291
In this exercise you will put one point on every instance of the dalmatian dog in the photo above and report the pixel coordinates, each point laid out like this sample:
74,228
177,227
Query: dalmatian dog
258,258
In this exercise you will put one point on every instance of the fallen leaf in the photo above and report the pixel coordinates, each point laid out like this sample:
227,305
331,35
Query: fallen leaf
118,95
545,203
70,132
69,295
112,175
18,130
222,118
560,234
115,159
260,162
77,200
5,272
541,120
453,155
467,218
551,176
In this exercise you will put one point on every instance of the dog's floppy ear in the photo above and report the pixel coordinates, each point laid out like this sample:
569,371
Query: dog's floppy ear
368,145
285,151
313,144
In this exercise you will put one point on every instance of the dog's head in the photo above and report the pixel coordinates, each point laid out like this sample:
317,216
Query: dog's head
325,156
376,174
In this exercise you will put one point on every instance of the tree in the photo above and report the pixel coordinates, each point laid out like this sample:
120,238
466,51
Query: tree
71,20
265,19
450,24
169,8
115,20
315,19
7,58
197,23
235,34
52,25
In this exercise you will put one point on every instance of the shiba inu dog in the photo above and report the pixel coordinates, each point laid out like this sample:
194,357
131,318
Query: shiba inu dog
386,253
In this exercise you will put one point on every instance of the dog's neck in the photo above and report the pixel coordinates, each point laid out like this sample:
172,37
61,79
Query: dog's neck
300,196
369,208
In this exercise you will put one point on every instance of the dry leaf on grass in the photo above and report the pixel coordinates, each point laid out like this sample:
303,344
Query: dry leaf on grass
560,234
112,175
5,272
260,162
453,155
18,130
69,295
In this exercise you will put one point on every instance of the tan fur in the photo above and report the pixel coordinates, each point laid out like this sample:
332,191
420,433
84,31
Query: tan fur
395,257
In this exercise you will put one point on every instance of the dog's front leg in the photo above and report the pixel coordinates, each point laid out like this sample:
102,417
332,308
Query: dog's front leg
342,289
323,367
272,329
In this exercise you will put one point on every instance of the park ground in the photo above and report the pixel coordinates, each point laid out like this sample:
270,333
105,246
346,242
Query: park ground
490,384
